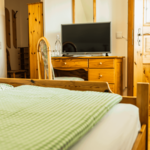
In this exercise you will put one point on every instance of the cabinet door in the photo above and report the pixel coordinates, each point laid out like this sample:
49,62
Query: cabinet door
35,12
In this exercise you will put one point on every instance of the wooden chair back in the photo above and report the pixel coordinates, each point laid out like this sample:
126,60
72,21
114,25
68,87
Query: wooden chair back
44,59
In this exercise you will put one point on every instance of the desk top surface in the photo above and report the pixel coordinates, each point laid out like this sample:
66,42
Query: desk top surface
91,57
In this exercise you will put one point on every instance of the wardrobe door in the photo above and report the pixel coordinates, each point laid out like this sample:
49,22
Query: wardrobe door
35,13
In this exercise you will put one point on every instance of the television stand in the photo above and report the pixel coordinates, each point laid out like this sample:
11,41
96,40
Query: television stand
94,68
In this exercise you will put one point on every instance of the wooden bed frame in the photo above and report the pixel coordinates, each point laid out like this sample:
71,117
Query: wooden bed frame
141,101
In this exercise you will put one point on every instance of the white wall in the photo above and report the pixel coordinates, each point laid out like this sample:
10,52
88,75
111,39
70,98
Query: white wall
115,11
3,67
56,12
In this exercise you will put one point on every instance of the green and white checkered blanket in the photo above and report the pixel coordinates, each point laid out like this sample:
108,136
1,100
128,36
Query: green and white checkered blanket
37,118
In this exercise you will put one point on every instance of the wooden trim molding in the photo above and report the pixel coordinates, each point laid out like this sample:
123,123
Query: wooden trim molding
94,10
73,11
130,59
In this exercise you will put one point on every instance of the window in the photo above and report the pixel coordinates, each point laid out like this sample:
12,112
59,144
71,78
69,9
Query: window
146,12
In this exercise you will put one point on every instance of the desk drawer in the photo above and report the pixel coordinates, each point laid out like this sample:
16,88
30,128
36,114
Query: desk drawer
105,75
101,63
70,63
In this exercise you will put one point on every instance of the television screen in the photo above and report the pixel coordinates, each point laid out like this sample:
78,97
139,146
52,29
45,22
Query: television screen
86,38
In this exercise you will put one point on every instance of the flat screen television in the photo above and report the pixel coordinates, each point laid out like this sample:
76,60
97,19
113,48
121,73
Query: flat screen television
86,38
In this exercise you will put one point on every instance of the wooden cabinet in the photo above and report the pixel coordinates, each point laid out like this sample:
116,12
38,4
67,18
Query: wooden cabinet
35,15
105,69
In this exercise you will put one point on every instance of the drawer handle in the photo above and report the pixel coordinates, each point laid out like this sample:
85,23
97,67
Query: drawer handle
100,63
65,63
100,76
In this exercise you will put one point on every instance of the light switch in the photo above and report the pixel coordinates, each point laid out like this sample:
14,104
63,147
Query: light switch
119,35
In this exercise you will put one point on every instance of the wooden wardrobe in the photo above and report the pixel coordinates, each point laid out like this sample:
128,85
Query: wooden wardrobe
35,15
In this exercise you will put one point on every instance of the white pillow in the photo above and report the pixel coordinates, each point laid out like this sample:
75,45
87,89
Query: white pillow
4,86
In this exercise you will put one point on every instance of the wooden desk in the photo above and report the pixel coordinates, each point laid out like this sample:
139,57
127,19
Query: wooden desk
108,69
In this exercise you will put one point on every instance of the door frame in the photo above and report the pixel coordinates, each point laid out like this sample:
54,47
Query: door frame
130,51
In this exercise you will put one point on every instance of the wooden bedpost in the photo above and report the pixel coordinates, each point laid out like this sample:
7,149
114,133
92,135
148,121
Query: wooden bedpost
143,104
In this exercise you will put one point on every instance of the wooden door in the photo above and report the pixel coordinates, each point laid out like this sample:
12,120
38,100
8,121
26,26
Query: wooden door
35,13
138,26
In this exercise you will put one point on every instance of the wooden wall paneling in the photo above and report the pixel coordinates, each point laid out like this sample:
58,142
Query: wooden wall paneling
35,12
7,19
130,61
14,28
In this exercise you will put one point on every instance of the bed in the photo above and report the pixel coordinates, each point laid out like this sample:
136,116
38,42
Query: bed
141,101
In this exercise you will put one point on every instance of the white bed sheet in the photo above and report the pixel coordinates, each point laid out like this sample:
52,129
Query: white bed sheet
117,130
